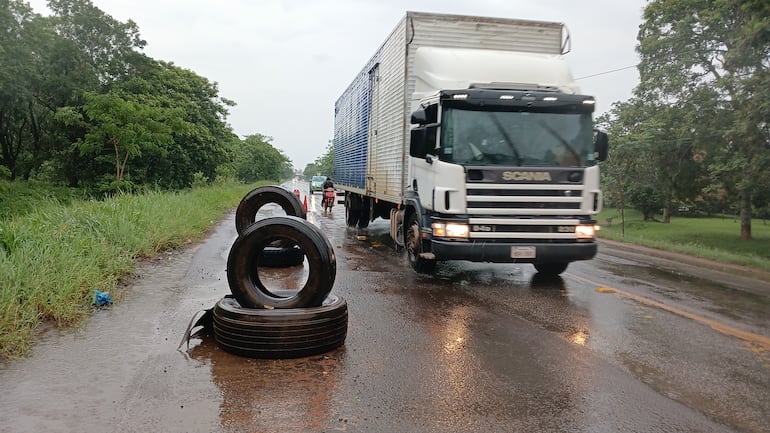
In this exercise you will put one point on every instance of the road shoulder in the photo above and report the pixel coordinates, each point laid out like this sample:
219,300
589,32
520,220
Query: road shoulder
736,276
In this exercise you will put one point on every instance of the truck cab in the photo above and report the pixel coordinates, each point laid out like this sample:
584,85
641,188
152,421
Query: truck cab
504,175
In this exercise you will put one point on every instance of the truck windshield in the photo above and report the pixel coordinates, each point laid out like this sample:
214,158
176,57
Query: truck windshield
516,138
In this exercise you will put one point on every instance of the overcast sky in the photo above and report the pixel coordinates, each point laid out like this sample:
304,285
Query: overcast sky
285,62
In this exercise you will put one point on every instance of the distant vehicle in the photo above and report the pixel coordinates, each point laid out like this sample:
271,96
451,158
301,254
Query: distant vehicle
317,183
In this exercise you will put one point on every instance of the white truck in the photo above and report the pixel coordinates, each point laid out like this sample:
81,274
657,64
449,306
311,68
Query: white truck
470,135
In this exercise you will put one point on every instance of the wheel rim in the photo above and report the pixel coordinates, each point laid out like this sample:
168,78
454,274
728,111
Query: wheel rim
413,241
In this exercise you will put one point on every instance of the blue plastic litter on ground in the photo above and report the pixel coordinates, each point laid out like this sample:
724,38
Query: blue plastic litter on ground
102,298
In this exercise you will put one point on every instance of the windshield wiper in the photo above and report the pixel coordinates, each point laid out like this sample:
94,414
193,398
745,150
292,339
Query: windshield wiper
507,137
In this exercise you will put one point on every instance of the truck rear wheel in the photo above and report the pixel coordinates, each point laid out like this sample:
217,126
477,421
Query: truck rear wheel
365,215
551,268
413,244
352,210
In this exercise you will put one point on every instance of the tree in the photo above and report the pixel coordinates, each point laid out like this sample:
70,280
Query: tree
16,68
651,165
108,44
257,159
48,63
202,141
693,46
59,76
120,129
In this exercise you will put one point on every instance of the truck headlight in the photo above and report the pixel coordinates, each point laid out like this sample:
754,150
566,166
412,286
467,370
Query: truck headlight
585,231
450,230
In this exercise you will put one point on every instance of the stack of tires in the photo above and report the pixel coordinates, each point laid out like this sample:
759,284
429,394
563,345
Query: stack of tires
258,322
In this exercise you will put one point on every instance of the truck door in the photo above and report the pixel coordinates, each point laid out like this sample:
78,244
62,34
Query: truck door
374,119
424,159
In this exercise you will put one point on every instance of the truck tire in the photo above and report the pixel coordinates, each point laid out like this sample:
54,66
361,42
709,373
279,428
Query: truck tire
365,216
551,268
246,212
413,243
244,260
352,209
284,333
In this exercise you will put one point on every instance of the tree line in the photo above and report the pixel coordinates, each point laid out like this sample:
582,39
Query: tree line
322,165
695,136
81,105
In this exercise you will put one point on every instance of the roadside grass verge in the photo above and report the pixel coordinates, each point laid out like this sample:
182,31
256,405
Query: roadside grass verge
715,238
53,256
19,198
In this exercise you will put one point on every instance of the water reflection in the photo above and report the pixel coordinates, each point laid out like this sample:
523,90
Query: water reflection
275,394
547,282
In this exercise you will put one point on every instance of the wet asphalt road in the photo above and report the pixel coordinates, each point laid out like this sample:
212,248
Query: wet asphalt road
627,342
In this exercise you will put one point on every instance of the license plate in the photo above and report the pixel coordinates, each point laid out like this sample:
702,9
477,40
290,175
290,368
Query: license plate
523,252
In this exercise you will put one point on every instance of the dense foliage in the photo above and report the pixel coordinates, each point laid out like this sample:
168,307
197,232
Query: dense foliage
696,134
82,106
258,160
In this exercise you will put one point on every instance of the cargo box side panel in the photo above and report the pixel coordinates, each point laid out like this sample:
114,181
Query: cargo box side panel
352,113
389,121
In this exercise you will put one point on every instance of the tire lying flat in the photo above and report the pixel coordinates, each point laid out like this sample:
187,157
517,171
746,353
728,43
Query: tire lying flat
244,260
280,333
246,213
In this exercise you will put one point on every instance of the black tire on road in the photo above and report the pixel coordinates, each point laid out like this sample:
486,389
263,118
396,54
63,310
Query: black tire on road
352,209
413,243
365,215
286,333
244,260
246,213
551,268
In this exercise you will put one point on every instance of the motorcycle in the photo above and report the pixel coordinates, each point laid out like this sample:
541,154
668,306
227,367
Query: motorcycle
328,201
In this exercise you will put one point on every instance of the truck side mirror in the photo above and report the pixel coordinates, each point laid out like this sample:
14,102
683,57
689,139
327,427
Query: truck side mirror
419,117
600,145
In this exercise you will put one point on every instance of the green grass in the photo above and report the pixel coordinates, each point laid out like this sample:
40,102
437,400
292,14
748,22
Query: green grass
53,255
18,198
716,238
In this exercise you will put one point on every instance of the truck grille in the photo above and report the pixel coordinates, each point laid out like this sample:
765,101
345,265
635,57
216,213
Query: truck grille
527,212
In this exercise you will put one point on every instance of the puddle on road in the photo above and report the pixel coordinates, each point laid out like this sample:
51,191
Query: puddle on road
290,279
701,292
260,394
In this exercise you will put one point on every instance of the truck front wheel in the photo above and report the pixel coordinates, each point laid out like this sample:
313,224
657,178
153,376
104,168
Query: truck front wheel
413,244
551,268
